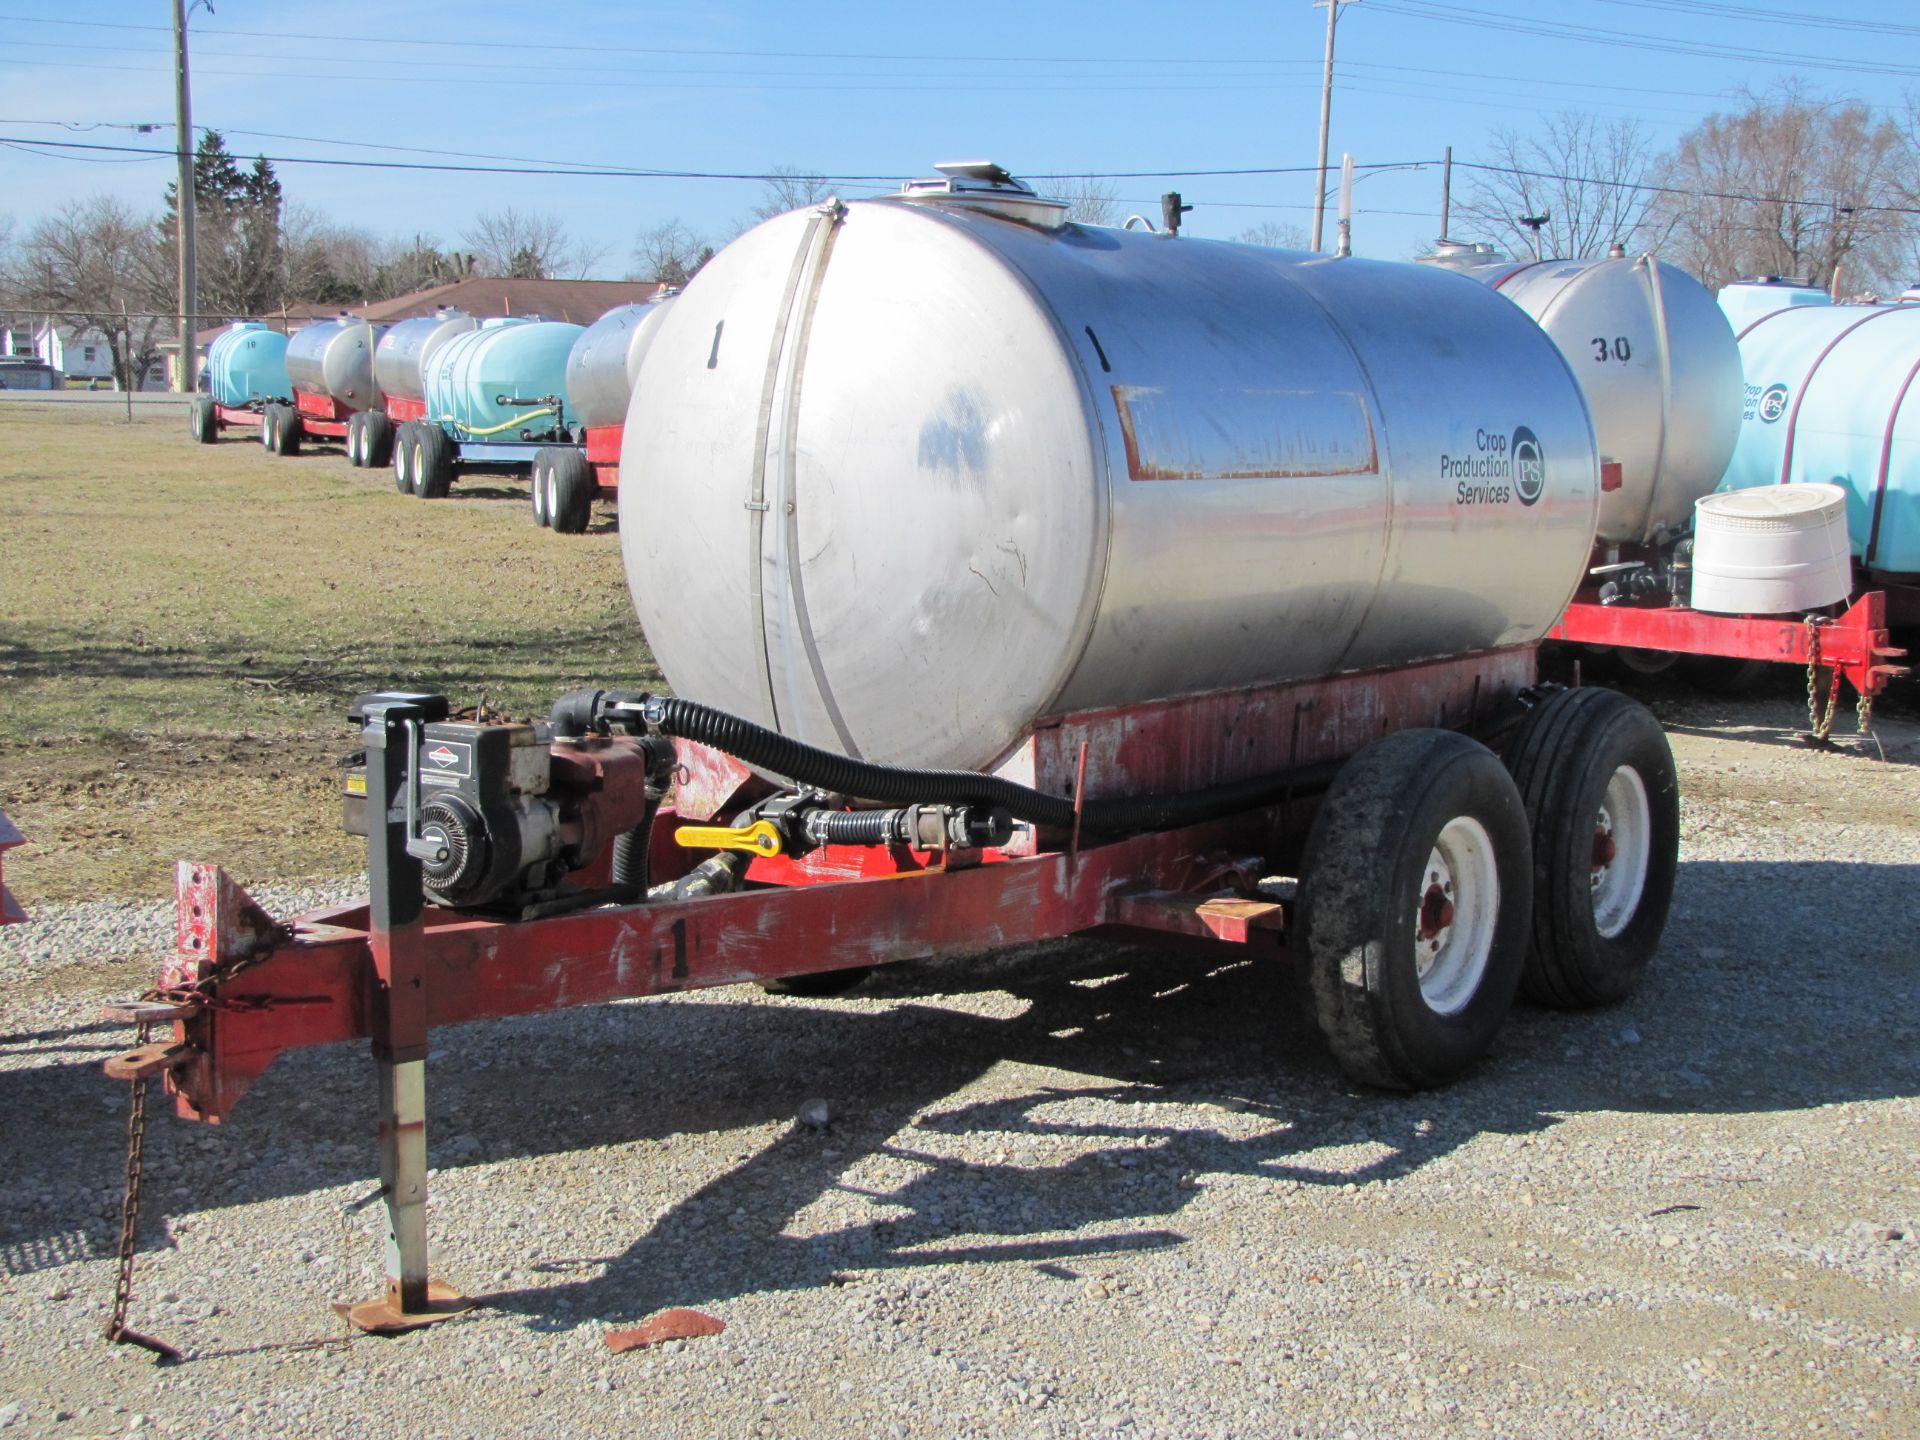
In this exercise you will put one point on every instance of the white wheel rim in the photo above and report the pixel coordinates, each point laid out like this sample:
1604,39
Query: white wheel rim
1456,909
1622,851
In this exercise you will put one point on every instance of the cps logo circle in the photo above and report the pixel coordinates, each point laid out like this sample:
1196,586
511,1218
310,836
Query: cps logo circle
1773,403
1529,465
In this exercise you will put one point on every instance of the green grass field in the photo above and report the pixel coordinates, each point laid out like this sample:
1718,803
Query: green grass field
182,627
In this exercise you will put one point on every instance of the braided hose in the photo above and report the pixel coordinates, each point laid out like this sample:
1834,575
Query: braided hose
769,750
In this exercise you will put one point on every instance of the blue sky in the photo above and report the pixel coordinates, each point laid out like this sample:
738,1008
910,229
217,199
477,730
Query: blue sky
869,89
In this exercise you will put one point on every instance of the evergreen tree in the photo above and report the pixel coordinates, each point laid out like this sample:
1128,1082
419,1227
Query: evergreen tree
237,233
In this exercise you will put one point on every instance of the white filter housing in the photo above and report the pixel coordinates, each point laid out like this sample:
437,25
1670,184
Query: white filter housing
1775,550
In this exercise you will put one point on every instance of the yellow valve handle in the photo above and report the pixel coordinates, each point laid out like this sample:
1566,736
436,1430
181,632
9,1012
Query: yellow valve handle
760,838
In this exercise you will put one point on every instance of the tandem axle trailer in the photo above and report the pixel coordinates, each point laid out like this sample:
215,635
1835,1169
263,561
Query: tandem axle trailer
1425,841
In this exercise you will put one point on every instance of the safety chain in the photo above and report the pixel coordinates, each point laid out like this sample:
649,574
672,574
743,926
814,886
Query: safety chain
118,1332
200,993
1819,725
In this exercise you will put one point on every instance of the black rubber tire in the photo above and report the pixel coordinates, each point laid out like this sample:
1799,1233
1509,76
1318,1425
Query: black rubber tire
355,438
376,439
403,457
1565,754
203,420
1724,675
1644,664
431,466
821,985
1363,891
570,491
539,481
286,430
269,427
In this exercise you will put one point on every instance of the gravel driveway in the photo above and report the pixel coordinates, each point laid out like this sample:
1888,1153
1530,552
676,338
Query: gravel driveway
1111,1193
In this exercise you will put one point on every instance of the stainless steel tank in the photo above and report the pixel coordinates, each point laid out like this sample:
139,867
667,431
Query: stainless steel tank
334,357
604,360
402,352
923,470
1659,365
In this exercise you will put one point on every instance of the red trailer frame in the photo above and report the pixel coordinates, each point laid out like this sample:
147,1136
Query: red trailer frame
603,454
321,416
400,409
236,417
1855,647
244,987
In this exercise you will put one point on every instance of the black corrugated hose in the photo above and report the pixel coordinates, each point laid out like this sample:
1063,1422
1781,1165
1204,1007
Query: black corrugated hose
765,749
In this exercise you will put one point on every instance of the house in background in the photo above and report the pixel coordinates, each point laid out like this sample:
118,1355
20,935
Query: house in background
77,354
16,341
60,350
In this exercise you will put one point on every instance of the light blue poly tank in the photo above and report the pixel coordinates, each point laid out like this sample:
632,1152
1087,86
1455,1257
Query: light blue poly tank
1745,301
1833,394
522,359
247,363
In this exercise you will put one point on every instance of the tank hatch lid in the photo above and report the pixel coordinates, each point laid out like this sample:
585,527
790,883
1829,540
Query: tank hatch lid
1461,253
983,185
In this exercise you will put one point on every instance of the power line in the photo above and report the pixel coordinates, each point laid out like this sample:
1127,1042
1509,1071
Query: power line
1825,20
653,174
1652,189
598,49
1171,174
566,79
1483,20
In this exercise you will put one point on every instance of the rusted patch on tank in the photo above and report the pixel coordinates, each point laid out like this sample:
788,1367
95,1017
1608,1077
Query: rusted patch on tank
1180,433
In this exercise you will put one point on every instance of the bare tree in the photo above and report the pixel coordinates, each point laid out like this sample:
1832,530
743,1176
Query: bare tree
403,265
789,188
325,262
1580,172
669,253
1791,185
1089,201
1275,234
8,278
528,246
96,265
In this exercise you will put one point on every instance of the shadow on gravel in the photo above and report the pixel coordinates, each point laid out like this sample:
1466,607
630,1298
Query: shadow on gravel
1754,1006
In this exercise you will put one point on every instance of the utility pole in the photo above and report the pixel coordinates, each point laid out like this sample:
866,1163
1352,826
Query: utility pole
1446,194
183,200
1326,117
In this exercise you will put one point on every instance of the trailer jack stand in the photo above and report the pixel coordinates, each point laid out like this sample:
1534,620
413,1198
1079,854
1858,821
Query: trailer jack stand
412,1299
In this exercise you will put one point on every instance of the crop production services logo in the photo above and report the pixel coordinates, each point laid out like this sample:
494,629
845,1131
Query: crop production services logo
1529,466
1773,403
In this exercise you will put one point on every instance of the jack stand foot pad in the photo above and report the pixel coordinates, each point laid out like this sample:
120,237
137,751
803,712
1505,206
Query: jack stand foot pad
385,1317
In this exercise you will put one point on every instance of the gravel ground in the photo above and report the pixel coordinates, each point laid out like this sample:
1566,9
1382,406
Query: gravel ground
1110,1193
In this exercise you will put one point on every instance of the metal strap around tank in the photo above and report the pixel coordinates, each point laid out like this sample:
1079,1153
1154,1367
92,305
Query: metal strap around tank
1664,341
756,501
1806,384
1521,270
1886,461
833,212
1756,324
